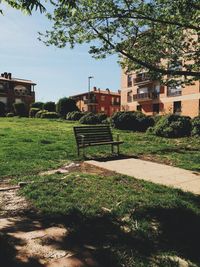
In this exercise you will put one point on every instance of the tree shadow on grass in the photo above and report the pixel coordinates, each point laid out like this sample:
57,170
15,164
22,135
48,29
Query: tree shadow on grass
178,233
103,237
9,244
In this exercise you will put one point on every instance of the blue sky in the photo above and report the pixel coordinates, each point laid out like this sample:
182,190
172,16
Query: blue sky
57,72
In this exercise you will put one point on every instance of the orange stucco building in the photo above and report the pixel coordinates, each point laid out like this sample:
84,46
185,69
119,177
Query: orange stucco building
98,101
138,92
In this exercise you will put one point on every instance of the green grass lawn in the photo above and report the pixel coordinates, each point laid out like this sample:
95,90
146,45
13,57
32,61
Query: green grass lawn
31,145
130,222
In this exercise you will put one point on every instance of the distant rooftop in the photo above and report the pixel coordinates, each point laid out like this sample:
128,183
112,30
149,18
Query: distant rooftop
96,90
7,76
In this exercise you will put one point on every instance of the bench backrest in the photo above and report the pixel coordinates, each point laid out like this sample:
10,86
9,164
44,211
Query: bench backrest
93,134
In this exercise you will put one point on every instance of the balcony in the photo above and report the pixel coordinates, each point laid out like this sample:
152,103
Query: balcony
115,103
142,79
91,102
2,91
174,93
129,99
145,96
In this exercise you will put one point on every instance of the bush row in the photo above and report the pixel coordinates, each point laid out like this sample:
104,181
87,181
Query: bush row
174,126
63,106
86,117
130,120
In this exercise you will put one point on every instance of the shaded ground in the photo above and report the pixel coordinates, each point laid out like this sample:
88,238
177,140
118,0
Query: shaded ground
28,239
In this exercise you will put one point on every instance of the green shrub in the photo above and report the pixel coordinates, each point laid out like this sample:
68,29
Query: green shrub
33,112
101,117
49,115
50,106
37,105
173,126
196,126
74,115
2,109
20,109
66,105
89,118
106,121
156,118
130,120
39,113
10,114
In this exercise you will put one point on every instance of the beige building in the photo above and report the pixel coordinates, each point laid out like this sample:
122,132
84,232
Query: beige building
140,93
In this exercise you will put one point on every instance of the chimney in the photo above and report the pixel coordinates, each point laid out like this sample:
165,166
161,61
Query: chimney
9,76
2,74
6,75
108,90
99,90
94,88
119,91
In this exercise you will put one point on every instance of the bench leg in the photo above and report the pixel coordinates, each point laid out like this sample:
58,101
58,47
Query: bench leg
118,150
112,149
83,151
78,151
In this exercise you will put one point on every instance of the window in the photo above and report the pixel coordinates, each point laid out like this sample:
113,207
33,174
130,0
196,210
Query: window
175,90
3,86
177,107
129,97
139,108
103,98
18,100
129,80
156,108
117,99
21,90
4,100
143,90
157,89
102,108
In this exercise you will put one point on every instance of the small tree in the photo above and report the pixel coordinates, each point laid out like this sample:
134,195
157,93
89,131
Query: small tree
2,109
50,106
66,105
37,105
20,109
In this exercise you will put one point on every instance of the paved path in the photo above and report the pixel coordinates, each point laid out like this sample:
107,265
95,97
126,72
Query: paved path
154,172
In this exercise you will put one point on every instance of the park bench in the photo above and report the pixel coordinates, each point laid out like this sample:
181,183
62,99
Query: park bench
97,135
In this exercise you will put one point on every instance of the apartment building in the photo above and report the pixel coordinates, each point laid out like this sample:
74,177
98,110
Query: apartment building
98,101
139,92
15,90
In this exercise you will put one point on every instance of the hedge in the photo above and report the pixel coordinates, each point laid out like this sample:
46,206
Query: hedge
195,126
131,120
172,126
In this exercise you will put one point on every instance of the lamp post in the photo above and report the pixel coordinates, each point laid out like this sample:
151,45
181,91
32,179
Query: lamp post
89,78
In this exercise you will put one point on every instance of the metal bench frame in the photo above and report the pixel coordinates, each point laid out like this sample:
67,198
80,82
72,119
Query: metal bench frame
97,135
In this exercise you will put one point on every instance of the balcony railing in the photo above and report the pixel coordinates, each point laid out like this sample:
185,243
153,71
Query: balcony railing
90,101
129,99
115,103
141,79
145,96
174,93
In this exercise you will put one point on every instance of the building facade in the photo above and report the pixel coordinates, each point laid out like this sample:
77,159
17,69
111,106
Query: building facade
15,90
139,92
98,101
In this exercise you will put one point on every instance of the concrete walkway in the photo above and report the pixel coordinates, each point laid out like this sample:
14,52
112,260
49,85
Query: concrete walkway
154,172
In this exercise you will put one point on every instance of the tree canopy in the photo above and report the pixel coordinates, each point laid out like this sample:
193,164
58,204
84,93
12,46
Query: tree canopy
158,36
